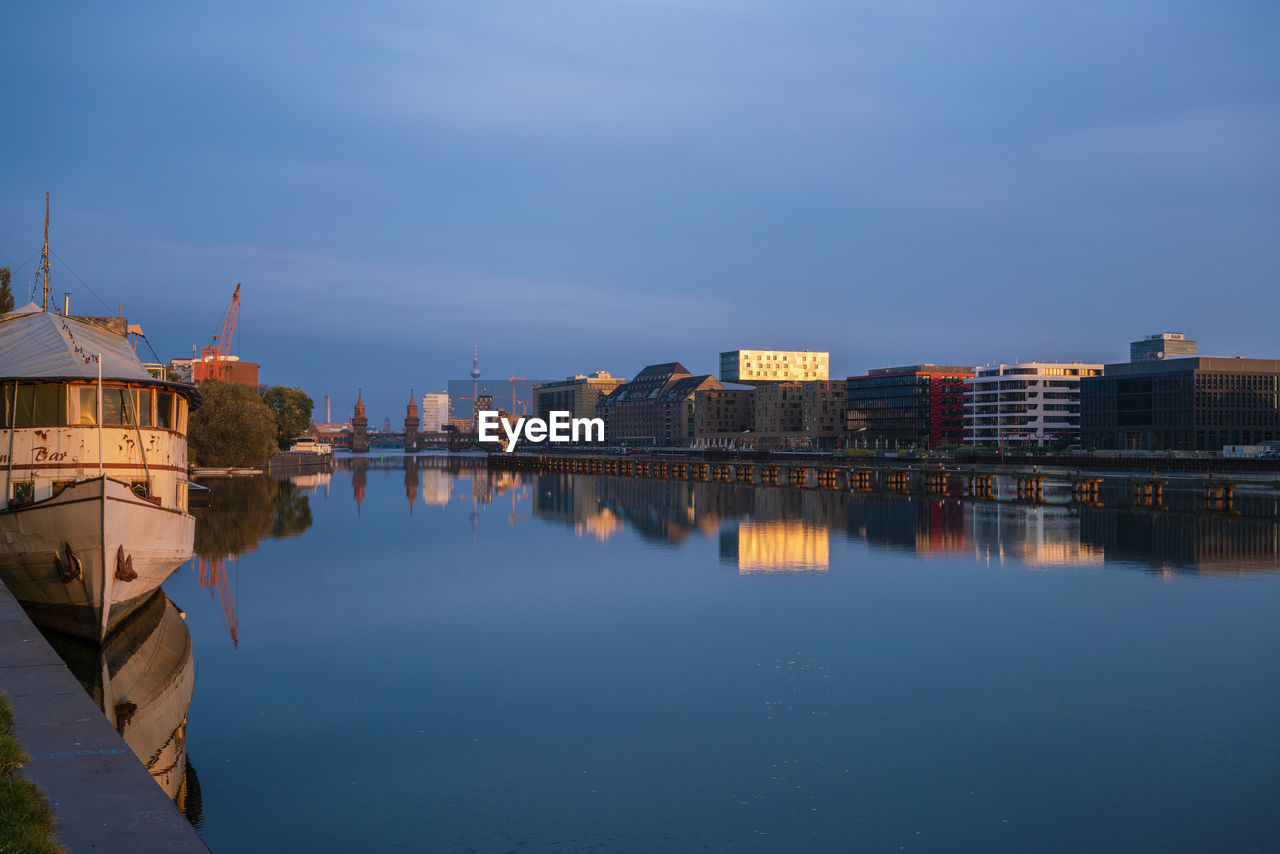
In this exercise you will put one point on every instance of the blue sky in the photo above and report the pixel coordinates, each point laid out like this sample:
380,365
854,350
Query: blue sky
601,185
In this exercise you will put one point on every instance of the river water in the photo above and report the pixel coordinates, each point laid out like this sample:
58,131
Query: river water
417,654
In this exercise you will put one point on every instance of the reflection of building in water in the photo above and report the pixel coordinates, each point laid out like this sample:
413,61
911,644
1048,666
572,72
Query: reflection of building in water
437,487
790,546
601,526
672,510
572,499
359,480
659,509
411,481
1042,535
905,522
142,679
1036,535
1204,542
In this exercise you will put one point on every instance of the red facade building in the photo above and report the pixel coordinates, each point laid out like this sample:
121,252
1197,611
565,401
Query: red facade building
911,405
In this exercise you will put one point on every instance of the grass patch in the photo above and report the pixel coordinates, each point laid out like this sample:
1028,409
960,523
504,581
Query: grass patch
26,823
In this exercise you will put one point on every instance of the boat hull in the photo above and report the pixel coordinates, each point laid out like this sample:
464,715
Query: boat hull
95,518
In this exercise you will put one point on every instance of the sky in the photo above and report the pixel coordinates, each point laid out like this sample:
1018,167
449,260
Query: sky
603,185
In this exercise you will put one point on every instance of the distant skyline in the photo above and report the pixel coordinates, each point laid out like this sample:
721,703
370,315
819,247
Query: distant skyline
603,186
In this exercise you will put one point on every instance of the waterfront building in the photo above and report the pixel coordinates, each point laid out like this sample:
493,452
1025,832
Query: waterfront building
779,408
798,414
1188,404
226,368
435,411
723,416
909,405
1162,345
655,408
771,366
822,410
1032,402
580,395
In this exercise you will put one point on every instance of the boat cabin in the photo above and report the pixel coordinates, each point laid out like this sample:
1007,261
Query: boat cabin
61,423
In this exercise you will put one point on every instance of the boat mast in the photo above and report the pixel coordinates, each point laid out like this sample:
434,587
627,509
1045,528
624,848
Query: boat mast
44,261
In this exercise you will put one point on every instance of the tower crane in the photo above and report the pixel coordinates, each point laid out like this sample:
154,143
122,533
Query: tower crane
213,359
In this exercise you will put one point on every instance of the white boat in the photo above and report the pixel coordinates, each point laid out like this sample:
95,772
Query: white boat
93,453
307,447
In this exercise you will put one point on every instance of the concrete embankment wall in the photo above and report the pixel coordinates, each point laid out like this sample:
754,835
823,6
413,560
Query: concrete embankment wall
102,795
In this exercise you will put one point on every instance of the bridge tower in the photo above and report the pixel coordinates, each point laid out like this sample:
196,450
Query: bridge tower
359,427
411,426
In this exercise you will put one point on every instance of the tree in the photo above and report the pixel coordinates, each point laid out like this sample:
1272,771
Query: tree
292,410
6,295
232,428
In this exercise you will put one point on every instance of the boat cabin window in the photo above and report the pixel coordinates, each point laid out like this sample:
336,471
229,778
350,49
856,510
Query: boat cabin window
115,407
60,405
24,492
83,407
43,405
164,410
142,401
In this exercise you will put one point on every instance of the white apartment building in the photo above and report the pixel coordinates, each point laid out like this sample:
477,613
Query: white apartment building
435,412
1029,402
757,366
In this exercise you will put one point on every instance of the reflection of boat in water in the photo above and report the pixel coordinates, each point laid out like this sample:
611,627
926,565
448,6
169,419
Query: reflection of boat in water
142,678
93,450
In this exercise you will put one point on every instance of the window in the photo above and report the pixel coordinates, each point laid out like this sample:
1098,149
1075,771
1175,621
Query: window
164,410
115,407
143,401
24,492
84,405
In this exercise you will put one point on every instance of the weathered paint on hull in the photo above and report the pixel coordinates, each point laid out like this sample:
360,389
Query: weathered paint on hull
95,517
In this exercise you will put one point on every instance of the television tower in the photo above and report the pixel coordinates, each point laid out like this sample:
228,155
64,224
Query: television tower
475,373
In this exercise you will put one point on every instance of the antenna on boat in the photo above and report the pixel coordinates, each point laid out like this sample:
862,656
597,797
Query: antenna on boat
44,261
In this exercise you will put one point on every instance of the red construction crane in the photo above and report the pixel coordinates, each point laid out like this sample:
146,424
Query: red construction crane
213,359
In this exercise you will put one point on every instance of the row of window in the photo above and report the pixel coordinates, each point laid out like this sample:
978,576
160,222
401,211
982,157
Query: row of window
61,405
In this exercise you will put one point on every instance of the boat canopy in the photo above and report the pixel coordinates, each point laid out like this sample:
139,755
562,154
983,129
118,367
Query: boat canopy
38,344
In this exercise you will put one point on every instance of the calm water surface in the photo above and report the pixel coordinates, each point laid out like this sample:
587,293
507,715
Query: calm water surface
400,657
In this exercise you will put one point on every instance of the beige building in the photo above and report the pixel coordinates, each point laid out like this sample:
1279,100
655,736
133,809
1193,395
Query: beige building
435,411
579,395
772,366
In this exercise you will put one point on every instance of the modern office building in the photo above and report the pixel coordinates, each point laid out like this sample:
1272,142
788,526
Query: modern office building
580,394
1031,402
435,411
772,366
910,405
655,408
1162,345
1189,404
